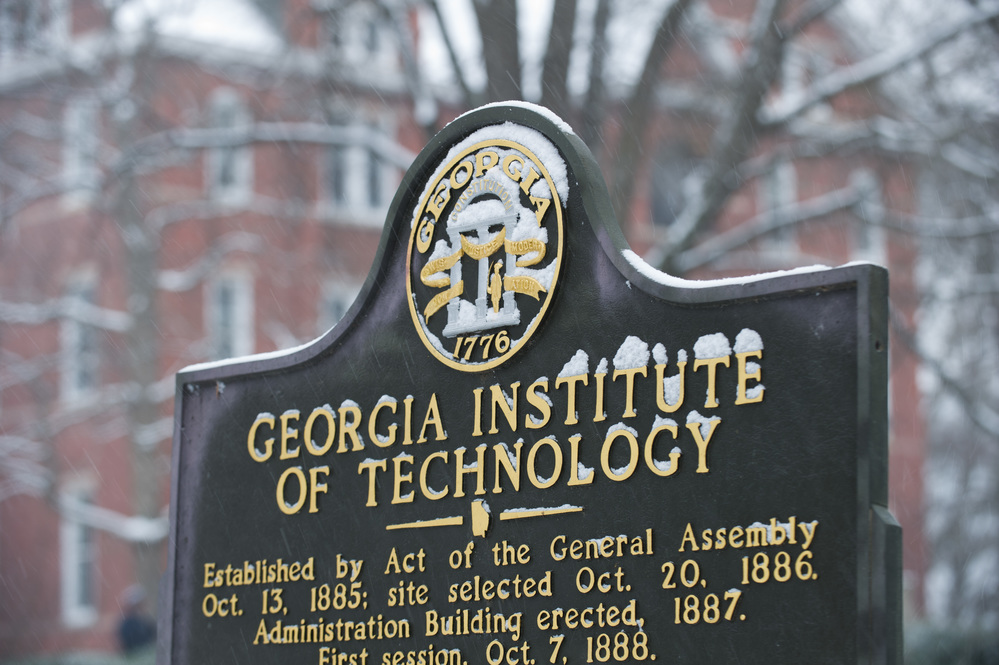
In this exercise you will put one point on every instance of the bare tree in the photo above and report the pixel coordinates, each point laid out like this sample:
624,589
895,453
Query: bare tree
715,98
92,140
718,98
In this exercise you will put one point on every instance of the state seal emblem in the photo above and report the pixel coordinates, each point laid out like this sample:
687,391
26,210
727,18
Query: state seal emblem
486,246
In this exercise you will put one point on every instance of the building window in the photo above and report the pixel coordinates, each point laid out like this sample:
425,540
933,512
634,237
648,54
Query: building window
230,315
869,233
230,167
338,296
356,180
78,561
360,34
80,354
673,163
336,175
375,185
778,193
79,146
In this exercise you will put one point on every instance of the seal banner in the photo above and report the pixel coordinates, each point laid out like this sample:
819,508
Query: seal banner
486,246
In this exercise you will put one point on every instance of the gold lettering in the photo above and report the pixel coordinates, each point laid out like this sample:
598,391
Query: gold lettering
540,403
542,207
681,367
251,445
371,466
424,487
482,164
479,469
532,473
464,167
508,163
349,428
399,478
711,401
287,434
528,180
571,417
382,442
741,392
689,539
433,417
574,464
310,445
502,454
477,418
629,374
316,487
674,456
282,501
702,442
509,409
407,431
625,472
598,411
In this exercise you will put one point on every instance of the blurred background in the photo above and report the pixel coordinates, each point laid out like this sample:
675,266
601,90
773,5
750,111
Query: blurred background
185,180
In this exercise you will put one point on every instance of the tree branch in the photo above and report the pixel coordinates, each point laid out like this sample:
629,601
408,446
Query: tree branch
983,415
874,68
132,529
638,109
66,308
765,224
498,27
177,281
708,187
459,73
555,67
191,138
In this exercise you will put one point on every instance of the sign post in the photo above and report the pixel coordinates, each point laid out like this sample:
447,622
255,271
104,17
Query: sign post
524,446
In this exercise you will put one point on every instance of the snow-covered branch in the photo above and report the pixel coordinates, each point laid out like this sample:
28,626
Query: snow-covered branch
163,216
765,224
709,186
149,436
130,528
21,467
982,414
193,138
66,308
876,67
894,136
177,281
936,227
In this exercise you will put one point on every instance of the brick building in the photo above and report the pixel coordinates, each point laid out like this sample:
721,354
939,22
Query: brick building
179,191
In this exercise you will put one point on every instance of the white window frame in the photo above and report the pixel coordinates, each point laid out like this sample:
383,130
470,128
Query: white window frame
227,111
360,166
869,242
79,558
80,143
229,314
349,32
79,355
778,189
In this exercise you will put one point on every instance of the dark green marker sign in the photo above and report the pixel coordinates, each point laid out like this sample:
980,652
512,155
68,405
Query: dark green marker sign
524,446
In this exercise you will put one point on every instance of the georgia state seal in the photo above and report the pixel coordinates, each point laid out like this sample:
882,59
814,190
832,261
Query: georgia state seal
485,249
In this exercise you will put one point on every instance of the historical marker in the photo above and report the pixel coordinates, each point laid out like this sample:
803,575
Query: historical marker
524,446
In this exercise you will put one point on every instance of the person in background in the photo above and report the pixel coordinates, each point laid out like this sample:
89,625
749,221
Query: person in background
137,630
